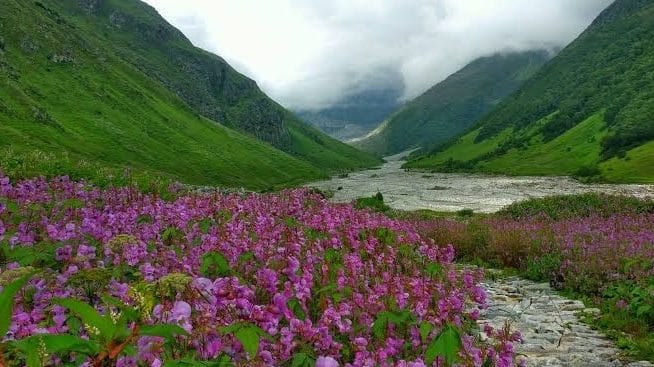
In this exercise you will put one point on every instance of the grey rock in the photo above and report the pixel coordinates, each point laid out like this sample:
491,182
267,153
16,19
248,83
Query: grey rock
553,334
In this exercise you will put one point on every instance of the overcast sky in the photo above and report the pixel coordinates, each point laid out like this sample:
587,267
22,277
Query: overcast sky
307,54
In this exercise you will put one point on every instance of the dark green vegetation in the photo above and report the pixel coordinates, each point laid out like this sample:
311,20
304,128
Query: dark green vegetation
374,203
593,247
111,82
454,104
588,112
582,205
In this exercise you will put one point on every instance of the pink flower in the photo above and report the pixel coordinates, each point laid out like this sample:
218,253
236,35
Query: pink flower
326,362
181,311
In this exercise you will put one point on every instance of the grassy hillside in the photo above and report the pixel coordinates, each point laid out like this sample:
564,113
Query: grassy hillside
110,81
588,112
454,104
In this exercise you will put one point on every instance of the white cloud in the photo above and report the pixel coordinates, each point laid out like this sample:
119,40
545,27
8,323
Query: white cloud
311,53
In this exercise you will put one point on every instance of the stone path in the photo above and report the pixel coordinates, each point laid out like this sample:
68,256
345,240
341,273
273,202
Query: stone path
553,334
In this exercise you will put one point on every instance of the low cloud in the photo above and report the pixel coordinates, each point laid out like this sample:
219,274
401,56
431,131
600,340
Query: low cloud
309,54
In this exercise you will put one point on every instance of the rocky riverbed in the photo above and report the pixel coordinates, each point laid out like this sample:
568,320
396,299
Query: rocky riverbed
412,190
553,334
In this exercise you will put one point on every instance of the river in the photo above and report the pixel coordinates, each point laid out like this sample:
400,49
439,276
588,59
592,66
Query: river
412,190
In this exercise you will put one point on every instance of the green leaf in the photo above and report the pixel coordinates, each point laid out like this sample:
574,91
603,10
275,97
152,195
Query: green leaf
295,306
380,325
230,328
130,312
246,256
434,269
643,310
446,345
30,352
167,331
58,343
223,360
7,302
205,224
425,329
302,359
214,264
248,336
333,256
400,318
184,362
89,316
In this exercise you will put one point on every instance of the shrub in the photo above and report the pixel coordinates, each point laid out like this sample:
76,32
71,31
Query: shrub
375,203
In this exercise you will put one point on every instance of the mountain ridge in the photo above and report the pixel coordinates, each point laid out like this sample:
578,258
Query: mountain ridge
112,81
604,76
453,104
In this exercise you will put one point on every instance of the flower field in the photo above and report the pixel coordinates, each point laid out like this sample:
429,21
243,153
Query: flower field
596,247
104,277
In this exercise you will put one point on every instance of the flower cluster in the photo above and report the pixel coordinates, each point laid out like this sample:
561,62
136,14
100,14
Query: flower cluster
314,277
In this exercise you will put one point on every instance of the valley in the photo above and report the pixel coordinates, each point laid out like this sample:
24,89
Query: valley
161,205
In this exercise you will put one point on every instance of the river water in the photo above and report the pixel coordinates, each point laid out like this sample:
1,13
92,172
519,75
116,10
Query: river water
411,190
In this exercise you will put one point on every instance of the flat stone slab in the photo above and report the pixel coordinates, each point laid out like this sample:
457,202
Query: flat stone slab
552,333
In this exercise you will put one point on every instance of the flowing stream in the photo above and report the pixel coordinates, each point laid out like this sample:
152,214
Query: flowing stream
412,190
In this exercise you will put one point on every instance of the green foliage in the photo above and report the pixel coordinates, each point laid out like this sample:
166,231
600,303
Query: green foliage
296,307
7,301
214,264
541,269
425,329
33,347
465,213
588,173
40,255
222,361
375,203
302,359
446,345
249,335
109,336
582,205
402,319
102,326
166,331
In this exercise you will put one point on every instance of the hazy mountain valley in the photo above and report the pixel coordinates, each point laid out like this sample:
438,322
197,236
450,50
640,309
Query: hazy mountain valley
411,184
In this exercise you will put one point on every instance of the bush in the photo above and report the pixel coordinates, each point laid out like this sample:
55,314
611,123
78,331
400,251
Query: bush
574,206
374,203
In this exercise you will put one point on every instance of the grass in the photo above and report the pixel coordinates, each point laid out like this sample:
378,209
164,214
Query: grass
464,149
636,166
576,152
564,155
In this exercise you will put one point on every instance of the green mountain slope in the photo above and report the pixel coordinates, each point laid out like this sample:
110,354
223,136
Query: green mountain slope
453,105
111,81
602,85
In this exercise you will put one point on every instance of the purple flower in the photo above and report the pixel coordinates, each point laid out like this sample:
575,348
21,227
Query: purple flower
326,362
181,311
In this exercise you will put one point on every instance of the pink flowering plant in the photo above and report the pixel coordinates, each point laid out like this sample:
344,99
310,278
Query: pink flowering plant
596,247
282,279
